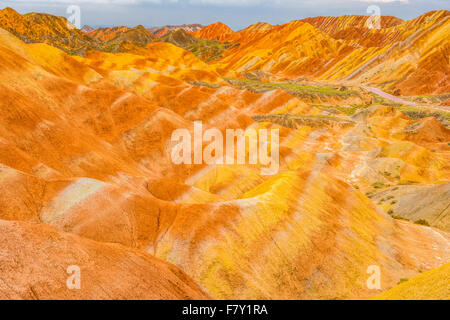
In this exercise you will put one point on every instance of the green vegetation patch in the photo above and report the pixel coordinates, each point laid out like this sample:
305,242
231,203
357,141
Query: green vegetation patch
378,185
422,222
292,87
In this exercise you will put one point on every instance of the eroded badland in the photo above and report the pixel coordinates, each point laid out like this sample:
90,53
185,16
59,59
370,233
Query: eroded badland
87,179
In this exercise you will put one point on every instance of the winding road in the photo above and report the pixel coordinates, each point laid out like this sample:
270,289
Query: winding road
388,96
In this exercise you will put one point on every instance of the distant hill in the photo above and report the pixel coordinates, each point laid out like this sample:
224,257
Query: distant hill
46,28
215,31
87,29
161,31
204,49
126,39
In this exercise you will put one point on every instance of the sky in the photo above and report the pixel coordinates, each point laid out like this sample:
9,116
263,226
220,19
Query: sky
237,14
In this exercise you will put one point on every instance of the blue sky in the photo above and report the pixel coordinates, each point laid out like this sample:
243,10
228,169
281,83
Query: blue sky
235,13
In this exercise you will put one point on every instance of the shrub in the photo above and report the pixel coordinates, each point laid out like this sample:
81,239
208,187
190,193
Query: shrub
378,185
422,222
397,217
406,183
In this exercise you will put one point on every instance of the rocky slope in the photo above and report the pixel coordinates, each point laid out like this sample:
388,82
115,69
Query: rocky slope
35,260
402,57
206,50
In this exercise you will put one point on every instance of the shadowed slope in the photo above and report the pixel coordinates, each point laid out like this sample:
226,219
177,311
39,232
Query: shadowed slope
206,50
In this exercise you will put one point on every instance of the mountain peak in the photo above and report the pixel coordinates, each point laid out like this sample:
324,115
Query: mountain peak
215,31
87,29
9,9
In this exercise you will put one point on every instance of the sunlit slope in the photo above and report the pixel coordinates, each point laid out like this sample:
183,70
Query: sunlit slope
292,49
287,239
156,60
268,213
415,64
36,258
236,38
360,29
432,285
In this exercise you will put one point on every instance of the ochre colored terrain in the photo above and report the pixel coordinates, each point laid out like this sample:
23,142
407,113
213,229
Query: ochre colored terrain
432,285
215,31
105,34
86,169
36,258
